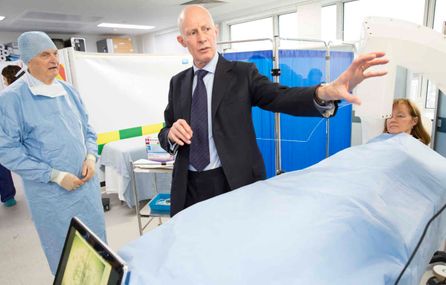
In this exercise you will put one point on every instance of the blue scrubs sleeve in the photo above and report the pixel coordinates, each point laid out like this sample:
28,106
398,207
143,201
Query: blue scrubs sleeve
13,154
90,141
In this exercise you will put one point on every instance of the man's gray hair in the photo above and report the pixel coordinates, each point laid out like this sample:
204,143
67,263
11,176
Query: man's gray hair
183,12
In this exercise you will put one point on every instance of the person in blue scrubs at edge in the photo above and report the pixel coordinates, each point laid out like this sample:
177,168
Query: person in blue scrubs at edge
7,189
45,137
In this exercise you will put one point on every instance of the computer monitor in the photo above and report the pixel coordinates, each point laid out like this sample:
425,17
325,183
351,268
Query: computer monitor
86,259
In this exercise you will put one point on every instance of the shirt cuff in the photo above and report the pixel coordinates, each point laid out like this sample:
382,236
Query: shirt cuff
57,176
327,109
173,147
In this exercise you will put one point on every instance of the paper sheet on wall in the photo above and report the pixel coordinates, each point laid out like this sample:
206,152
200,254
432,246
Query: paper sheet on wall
124,91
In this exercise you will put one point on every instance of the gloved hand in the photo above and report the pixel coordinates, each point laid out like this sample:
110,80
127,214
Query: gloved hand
88,168
70,182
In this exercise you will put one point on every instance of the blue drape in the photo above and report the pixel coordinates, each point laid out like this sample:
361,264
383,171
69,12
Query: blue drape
303,139
263,120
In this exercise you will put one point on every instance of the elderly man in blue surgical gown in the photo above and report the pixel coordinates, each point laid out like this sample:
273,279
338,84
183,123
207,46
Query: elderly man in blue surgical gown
45,138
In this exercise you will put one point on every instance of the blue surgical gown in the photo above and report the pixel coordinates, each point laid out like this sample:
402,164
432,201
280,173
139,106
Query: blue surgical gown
38,134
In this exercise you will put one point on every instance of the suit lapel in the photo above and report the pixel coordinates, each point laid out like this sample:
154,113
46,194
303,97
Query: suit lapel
186,95
221,80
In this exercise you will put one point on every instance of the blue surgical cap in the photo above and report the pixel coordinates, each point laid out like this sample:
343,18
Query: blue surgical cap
33,43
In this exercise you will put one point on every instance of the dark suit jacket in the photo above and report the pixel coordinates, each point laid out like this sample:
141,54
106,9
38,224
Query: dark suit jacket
237,87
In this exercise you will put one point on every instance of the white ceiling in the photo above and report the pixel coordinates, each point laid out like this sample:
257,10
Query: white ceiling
83,16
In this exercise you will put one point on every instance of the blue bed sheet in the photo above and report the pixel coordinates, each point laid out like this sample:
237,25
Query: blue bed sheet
354,218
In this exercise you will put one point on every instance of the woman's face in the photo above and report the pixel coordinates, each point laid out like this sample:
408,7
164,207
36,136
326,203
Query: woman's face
401,120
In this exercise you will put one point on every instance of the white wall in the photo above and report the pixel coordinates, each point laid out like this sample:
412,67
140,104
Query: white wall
356,138
309,21
166,42
161,43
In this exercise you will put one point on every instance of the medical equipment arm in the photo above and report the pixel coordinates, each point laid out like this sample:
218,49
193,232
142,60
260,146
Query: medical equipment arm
417,48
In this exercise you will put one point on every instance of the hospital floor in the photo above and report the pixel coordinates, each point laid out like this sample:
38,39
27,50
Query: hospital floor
22,260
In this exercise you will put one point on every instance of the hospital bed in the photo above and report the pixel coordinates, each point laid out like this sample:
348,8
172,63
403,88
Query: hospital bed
116,158
371,214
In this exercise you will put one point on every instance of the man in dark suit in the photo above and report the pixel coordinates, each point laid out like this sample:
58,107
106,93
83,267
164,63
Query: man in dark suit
208,116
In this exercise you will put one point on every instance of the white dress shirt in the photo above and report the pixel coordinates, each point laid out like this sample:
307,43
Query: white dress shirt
209,83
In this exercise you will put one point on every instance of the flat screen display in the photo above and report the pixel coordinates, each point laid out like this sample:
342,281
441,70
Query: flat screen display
87,260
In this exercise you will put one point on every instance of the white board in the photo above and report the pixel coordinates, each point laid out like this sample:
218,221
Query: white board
124,91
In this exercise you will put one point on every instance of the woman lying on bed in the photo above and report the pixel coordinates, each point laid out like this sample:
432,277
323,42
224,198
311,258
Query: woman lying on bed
354,218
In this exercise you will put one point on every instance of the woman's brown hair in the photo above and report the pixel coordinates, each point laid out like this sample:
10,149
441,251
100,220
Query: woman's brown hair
9,73
418,131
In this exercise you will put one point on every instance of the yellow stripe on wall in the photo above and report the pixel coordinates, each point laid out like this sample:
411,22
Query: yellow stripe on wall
151,129
104,138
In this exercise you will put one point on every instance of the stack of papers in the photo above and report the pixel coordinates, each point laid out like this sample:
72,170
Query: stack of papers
159,156
145,163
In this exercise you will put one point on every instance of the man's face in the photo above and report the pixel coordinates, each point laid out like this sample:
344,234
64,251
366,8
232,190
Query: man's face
45,65
198,35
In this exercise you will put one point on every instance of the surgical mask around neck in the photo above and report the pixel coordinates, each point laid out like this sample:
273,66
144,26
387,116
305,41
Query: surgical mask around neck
37,87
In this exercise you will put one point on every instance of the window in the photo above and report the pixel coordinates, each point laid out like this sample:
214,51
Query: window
439,18
288,29
356,11
414,82
440,15
257,29
328,23
288,25
352,20
431,96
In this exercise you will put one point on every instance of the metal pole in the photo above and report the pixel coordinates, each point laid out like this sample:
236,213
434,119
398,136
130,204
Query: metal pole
327,79
435,121
245,41
277,132
275,73
304,40
135,197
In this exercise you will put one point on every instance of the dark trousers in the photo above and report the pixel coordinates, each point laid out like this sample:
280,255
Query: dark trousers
205,185
7,189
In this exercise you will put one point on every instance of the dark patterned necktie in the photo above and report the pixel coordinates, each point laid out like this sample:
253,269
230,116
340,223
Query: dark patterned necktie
199,148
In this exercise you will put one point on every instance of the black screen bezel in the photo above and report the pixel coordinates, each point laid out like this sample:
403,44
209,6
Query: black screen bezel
117,266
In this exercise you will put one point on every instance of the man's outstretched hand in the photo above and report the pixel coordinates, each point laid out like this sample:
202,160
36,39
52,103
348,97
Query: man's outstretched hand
355,74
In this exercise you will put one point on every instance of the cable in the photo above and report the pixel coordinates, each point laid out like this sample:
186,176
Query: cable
418,244
308,137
